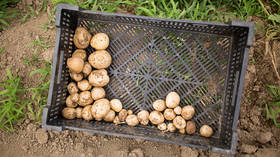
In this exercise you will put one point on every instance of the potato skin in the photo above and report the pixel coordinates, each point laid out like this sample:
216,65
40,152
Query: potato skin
100,108
159,105
179,122
80,53
171,127
132,120
206,131
100,41
79,112
99,78
75,97
70,103
162,126
69,113
85,98
84,85
75,64
86,113
81,38
190,127
116,105
100,59
98,93
178,110
72,88
156,117
76,76
172,100
188,112
87,69
143,117
110,116
169,114
122,115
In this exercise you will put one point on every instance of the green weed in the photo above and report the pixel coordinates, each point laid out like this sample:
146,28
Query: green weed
30,14
2,49
38,44
273,110
7,13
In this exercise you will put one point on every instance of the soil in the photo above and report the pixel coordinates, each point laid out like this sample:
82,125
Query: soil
257,137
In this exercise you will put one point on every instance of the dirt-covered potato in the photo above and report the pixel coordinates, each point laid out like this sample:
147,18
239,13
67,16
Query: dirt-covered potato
129,112
143,117
156,117
169,114
80,53
87,69
99,78
70,103
179,122
132,120
75,64
85,98
206,131
182,131
100,41
81,38
98,93
100,108
72,88
76,76
162,126
116,105
159,105
117,120
100,59
178,110
69,113
86,113
190,127
122,115
172,100
171,127
110,116
187,112
79,112
75,97
84,85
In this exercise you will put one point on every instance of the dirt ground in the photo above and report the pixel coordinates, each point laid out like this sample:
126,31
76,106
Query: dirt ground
257,137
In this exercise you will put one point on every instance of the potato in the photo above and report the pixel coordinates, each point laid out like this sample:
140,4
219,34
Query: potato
172,100
116,105
100,108
98,93
85,98
169,114
171,127
100,41
76,76
75,64
98,78
87,69
110,116
100,59
72,88
132,120
206,131
70,103
79,112
80,53
75,97
179,122
162,126
156,117
84,85
190,127
182,131
178,110
129,112
117,120
81,38
86,113
159,105
187,112
143,117
69,113
122,115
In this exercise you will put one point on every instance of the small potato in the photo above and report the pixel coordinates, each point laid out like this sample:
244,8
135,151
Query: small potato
72,88
179,122
84,85
162,126
159,105
100,108
98,93
117,120
76,76
122,115
80,53
79,112
86,113
206,131
110,116
100,41
100,59
156,117
99,78
85,98
75,97
129,112
69,113
132,120
87,69
172,100
75,64
143,117
182,131
116,105
81,38
171,127
70,103
178,110
190,127
169,114
187,112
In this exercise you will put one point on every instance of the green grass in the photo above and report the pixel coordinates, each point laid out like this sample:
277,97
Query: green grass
2,49
273,109
6,14
39,44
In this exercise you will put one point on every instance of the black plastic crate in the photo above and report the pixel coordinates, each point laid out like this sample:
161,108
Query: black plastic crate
204,62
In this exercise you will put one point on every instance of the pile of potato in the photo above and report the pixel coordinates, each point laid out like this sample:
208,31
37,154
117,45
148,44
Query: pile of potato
87,97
